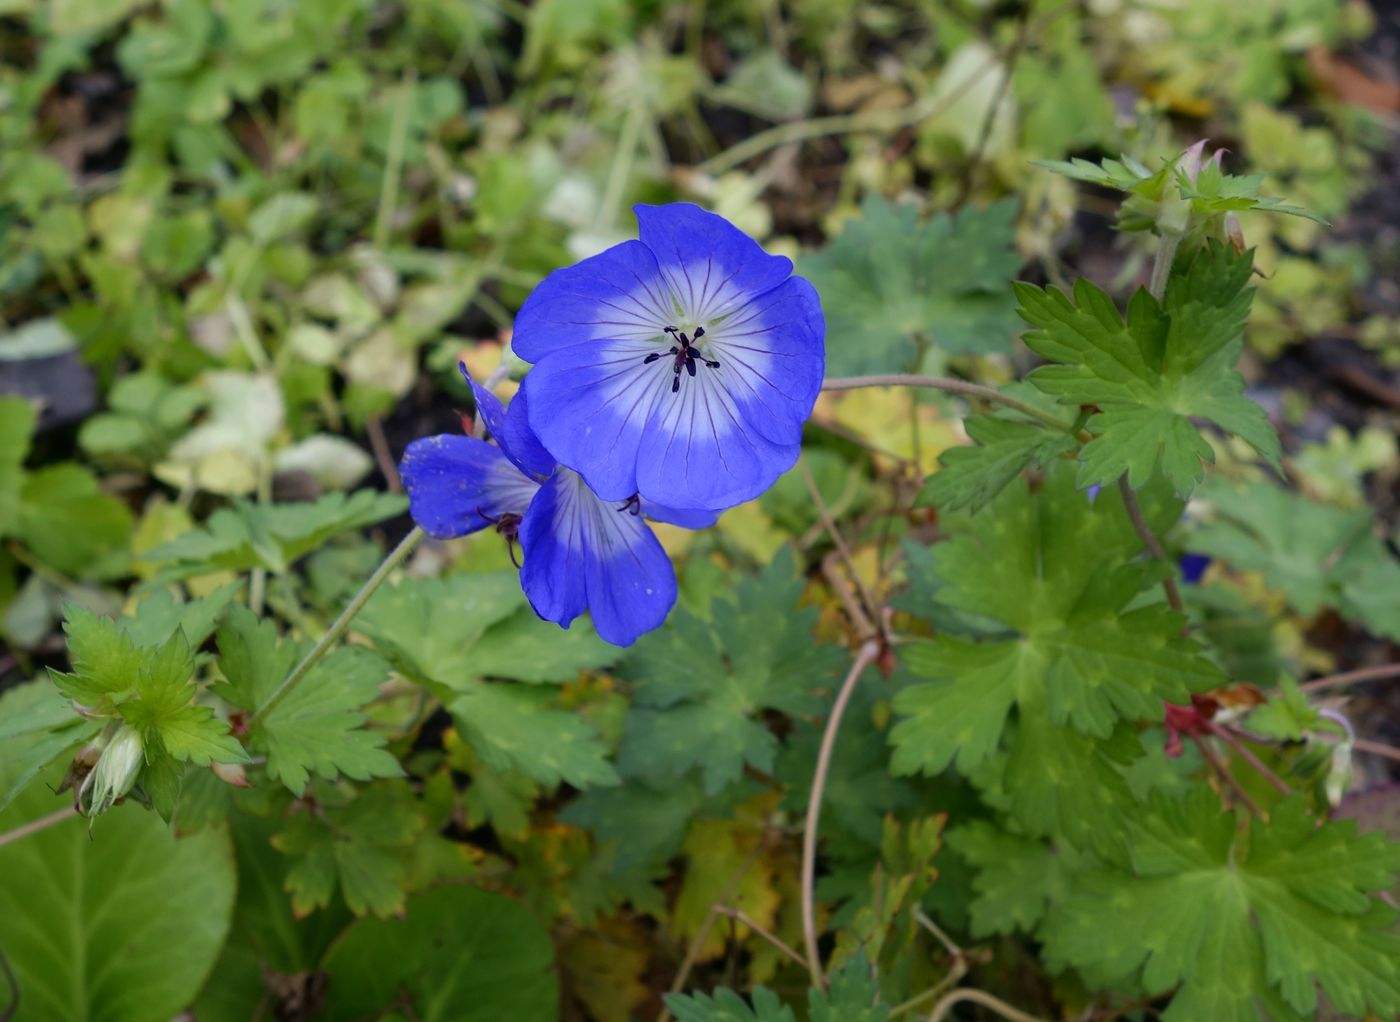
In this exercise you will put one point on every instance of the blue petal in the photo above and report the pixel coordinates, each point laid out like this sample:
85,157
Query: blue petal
591,407
708,263
615,294
582,552
701,449
511,429
684,517
772,357
457,485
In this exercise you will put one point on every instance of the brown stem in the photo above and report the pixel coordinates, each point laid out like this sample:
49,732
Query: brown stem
34,826
1150,540
986,1000
951,386
871,608
1376,748
379,444
868,652
738,915
1378,673
1247,754
1224,773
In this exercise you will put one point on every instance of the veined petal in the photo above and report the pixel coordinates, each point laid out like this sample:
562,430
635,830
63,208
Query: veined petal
458,484
699,451
618,294
590,407
511,429
710,265
583,552
686,518
772,357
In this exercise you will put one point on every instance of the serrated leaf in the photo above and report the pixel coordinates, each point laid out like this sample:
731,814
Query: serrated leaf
272,536
105,661
1318,556
514,727
1152,374
1003,449
852,995
37,727
889,279
1017,877
457,629
66,519
1244,921
163,709
727,1006
460,955
1052,572
358,843
701,687
318,727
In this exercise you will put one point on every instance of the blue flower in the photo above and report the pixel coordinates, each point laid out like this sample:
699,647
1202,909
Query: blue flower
581,552
679,368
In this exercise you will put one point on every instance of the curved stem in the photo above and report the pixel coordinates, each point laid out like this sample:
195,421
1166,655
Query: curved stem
337,629
986,1000
867,654
950,385
1247,754
1378,673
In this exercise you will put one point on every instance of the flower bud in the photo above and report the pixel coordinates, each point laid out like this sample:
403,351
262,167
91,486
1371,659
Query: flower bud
114,774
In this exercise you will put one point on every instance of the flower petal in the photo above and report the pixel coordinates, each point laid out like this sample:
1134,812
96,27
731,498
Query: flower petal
582,552
700,451
590,409
458,484
772,358
709,264
511,429
615,294
686,518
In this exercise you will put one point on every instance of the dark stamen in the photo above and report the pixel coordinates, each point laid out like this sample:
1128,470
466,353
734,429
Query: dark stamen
684,354
632,504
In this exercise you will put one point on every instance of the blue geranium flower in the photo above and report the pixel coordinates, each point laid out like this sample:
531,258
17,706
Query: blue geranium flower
581,552
678,368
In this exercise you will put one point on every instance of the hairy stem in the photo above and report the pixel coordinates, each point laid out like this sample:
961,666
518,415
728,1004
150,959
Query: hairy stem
1162,264
337,629
738,915
1378,673
1150,540
1223,772
951,386
868,652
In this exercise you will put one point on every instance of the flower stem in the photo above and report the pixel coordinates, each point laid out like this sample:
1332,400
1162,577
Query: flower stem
1247,754
337,629
867,654
1150,540
34,826
1378,673
951,386
986,1000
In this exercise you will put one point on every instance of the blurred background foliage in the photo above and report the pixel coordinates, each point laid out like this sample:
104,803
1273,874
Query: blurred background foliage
243,244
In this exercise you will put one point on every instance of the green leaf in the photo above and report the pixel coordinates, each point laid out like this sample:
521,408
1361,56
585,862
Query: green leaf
514,727
701,687
163,708
1318,556
1245,919
1017,877
272,536
120,925
460,954
889,280
457,629
359,842
1050,571
318,727
1151,375
969,477
727,1006
17,421
70,523
106,662
853,995
37,727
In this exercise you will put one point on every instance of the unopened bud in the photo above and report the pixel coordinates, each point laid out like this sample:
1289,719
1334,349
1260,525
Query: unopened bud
1190,162
1233,232
231,773
114,774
